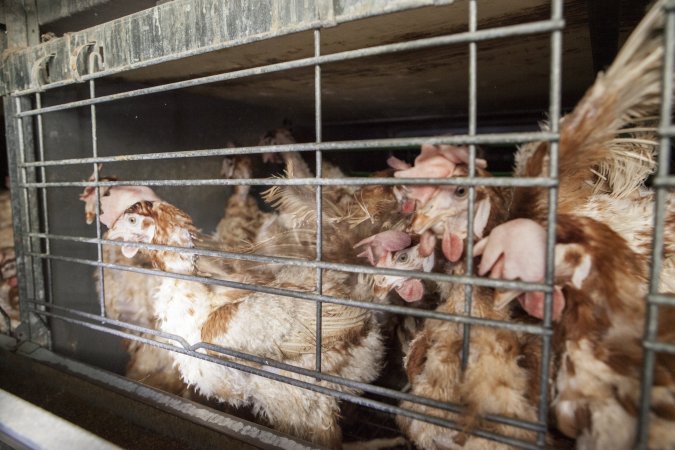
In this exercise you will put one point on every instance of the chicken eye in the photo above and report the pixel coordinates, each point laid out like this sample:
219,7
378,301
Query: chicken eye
402,258
461,192
132,220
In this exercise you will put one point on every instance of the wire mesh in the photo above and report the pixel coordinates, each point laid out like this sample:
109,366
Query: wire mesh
34,238
652,314
101,323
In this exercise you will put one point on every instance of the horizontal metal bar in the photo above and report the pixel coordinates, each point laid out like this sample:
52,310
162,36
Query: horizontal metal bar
482,35
667,131
663,347
311,264
298,383
352,181
366,144
667,181
385,392
516,327
662,299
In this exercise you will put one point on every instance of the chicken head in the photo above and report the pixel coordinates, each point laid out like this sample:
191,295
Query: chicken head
88,196
392,250
113,199
133,226
443,209
434,161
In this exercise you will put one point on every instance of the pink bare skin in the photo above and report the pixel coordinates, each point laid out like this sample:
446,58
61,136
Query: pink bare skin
114,200
452,245
516,250
120,198
435,161
379,245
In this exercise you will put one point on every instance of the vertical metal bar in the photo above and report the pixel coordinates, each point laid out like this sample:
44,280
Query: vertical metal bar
473,74
99,246
319,190
554,115
14,148
652,312
43,198
23,30
23,193
29,208
35,276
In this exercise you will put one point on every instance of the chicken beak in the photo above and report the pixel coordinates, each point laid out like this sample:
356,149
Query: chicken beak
503,298
114,234
420,223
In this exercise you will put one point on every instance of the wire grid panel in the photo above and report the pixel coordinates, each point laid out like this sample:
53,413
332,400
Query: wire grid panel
34,237
662,183
35,233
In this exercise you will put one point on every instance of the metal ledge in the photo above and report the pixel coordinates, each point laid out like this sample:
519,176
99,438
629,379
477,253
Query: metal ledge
23,425
180,29
165,414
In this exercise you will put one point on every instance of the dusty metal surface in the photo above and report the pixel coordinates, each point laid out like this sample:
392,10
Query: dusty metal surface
183,28
75,15
32,427
181,39
20,18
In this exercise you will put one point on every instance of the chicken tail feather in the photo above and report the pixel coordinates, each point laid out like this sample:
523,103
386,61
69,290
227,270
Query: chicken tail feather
627,93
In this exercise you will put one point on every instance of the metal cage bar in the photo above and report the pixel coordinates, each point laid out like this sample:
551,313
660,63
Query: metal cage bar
43,196
365,144
318,129
652,310
97,194
554,116
473,93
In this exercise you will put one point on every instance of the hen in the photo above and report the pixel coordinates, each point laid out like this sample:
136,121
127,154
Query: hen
597,341
604,158
128,295
243,220
600,260
269,326
433,359
493,383
396,250
9,292
245,227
